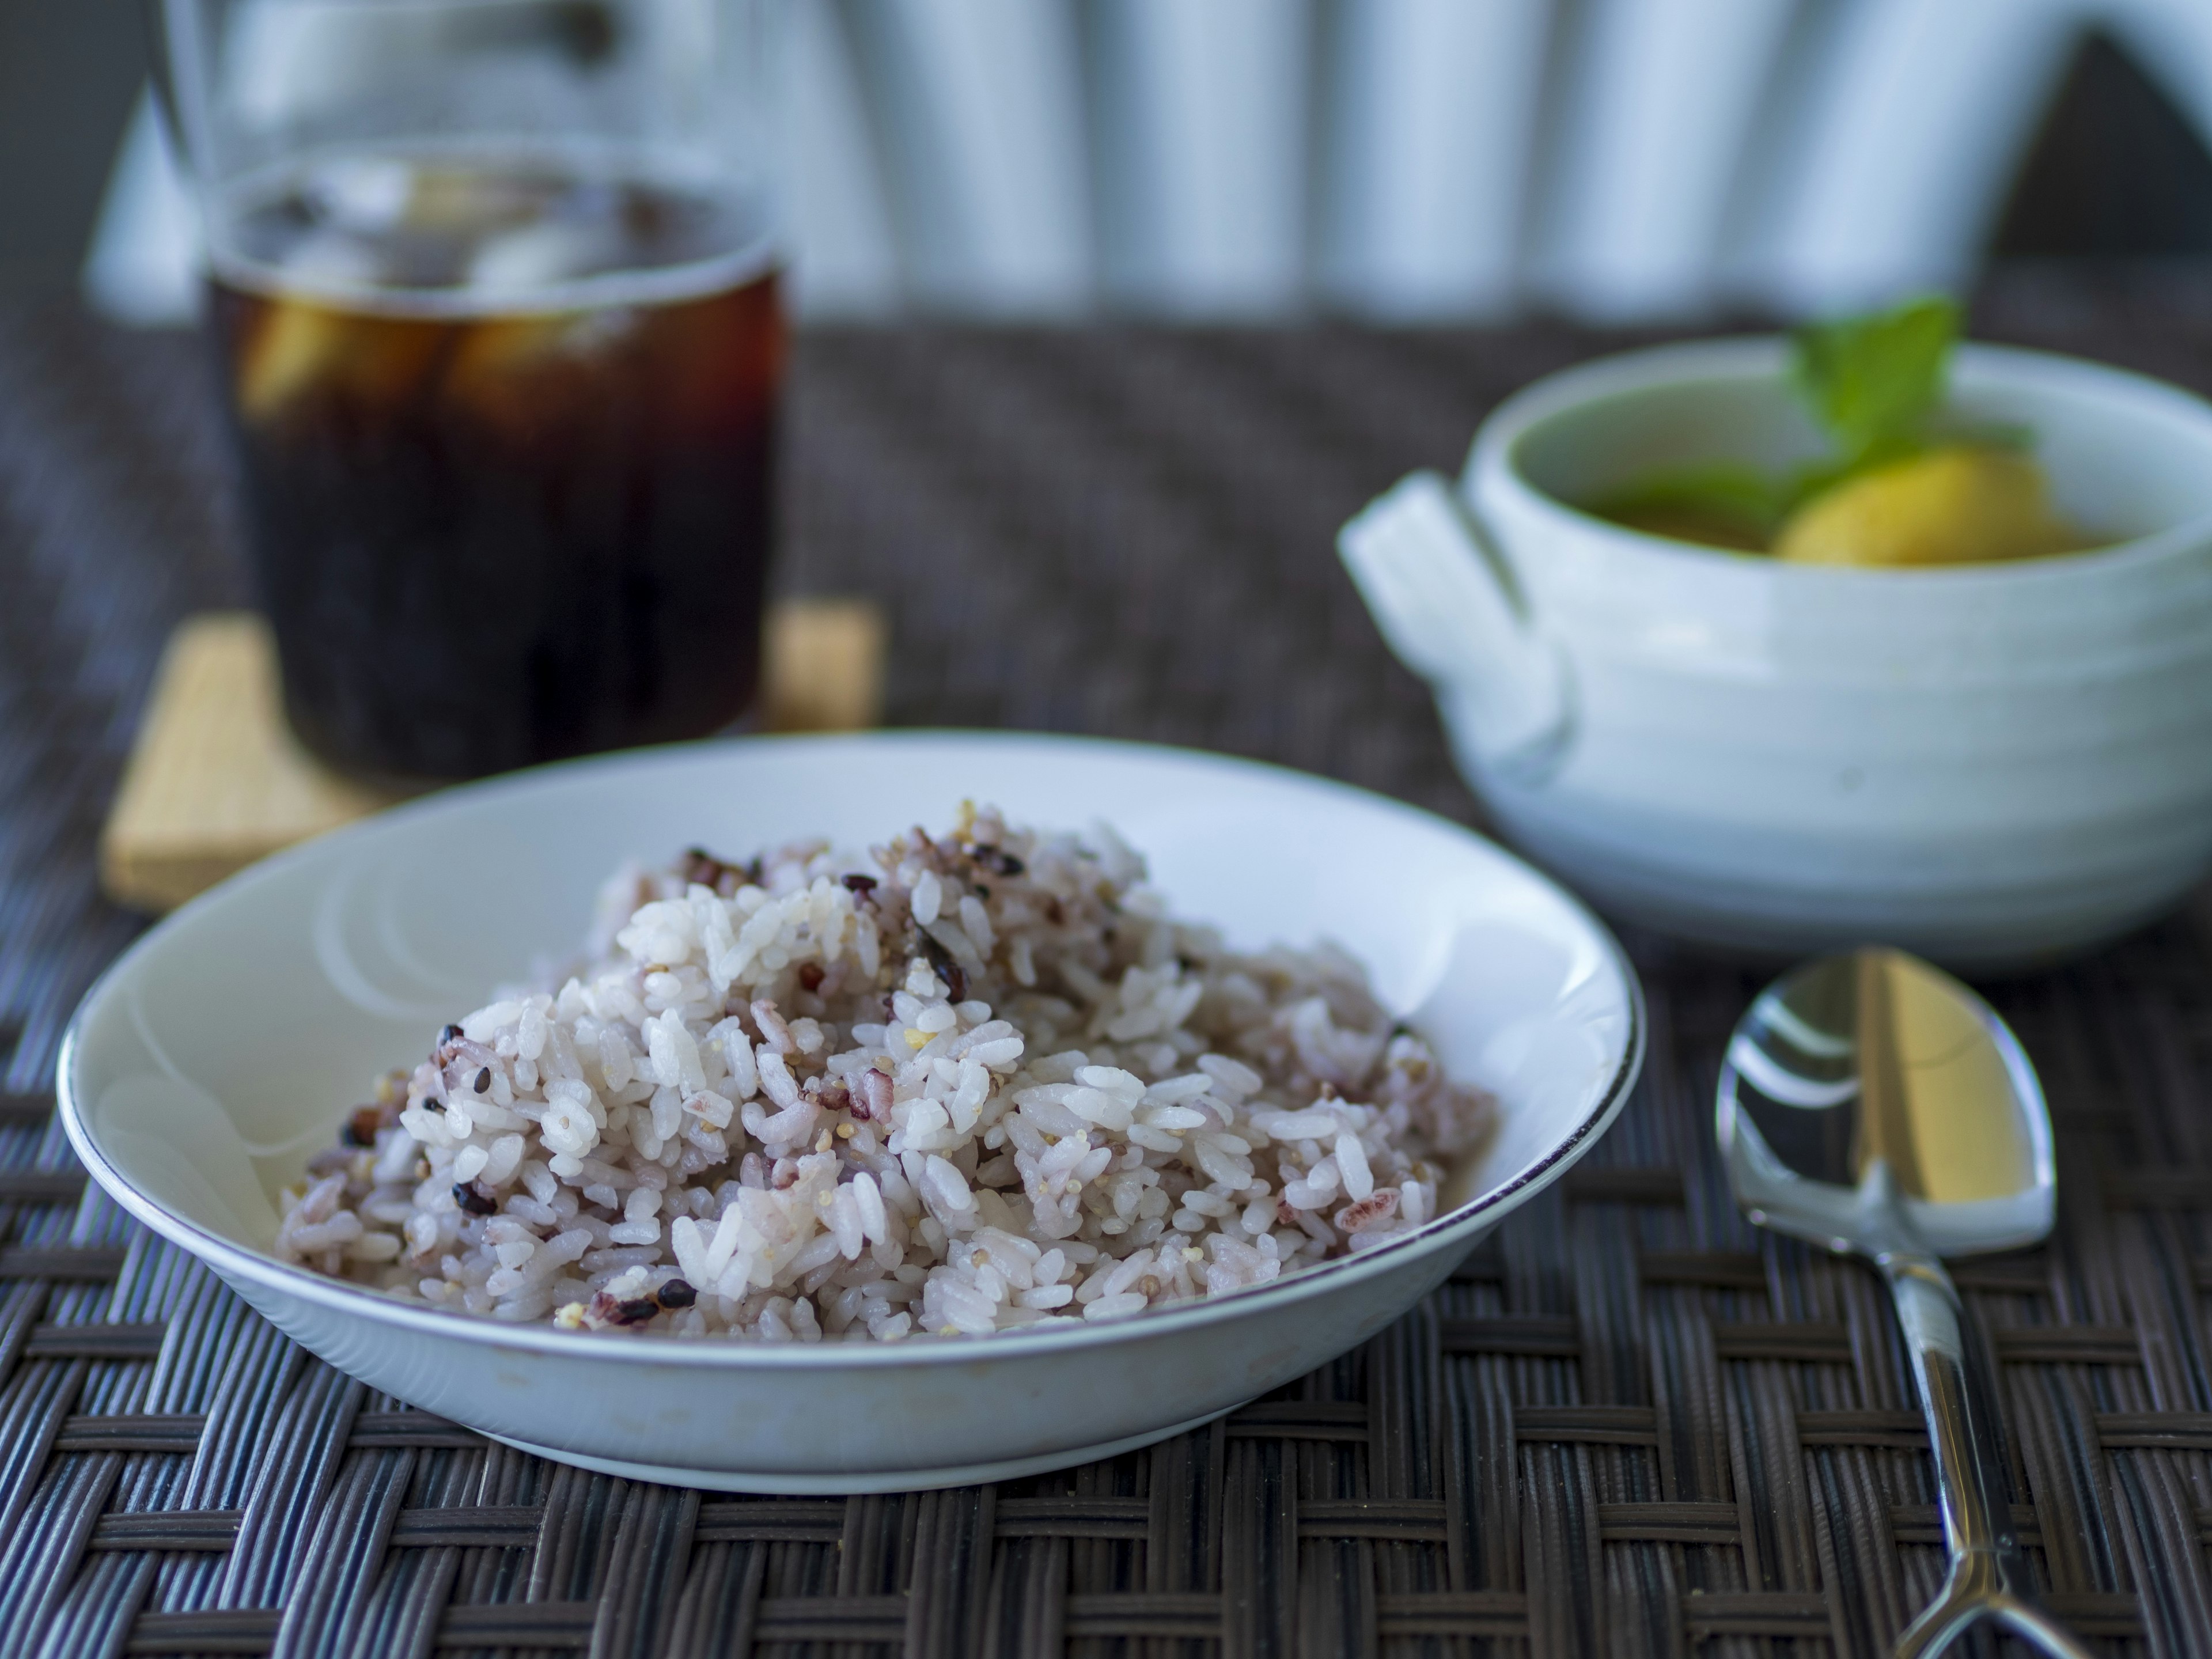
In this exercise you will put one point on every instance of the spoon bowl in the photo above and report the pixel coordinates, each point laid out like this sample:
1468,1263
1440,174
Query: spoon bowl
1873,1104
1874,1058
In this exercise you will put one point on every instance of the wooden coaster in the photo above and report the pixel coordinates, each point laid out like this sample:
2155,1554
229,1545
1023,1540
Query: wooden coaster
216,779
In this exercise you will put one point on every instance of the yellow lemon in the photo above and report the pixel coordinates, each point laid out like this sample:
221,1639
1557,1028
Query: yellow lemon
1958,505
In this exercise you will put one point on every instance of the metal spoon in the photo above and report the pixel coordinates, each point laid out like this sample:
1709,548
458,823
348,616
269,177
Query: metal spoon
1873,1104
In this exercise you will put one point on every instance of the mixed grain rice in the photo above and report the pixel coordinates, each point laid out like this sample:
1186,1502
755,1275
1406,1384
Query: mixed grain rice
981,1082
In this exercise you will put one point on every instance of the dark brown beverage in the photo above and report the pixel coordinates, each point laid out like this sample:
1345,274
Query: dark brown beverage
508,433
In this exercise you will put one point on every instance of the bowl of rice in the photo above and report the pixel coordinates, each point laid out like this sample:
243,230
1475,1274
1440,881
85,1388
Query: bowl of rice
869,1113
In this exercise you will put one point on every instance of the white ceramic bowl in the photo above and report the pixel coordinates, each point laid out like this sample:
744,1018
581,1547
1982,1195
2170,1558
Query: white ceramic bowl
226,1044
1991,765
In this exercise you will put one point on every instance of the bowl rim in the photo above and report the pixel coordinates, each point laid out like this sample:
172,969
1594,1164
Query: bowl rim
235,1261
1495,457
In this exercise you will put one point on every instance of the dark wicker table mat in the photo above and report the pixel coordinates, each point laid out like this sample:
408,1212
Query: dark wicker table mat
1629,1423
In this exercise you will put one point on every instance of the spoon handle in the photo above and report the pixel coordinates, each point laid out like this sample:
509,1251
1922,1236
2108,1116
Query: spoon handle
1988,1577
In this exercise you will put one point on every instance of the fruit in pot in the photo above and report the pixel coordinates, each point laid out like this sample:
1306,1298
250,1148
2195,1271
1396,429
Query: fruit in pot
1957,504
1904,484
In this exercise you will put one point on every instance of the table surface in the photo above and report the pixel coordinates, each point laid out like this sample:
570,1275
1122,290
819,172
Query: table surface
1630,1423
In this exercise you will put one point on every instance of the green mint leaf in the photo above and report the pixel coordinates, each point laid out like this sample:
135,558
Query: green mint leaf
1872,381
1740,502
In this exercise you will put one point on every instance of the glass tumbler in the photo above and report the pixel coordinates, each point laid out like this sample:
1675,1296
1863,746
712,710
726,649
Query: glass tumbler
493,288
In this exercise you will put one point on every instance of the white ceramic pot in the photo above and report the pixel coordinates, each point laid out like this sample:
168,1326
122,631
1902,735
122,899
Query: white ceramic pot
1991,765
228,1043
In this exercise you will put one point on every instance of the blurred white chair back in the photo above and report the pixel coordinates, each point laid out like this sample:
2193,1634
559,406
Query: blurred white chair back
1400,160
1911,134
1427,183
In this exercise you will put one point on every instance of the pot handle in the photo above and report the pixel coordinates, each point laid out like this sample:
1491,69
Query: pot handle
1449,608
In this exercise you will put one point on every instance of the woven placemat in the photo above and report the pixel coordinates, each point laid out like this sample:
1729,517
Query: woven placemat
1629,1424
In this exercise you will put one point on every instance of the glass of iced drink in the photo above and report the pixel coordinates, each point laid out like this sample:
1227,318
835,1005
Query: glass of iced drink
494,286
